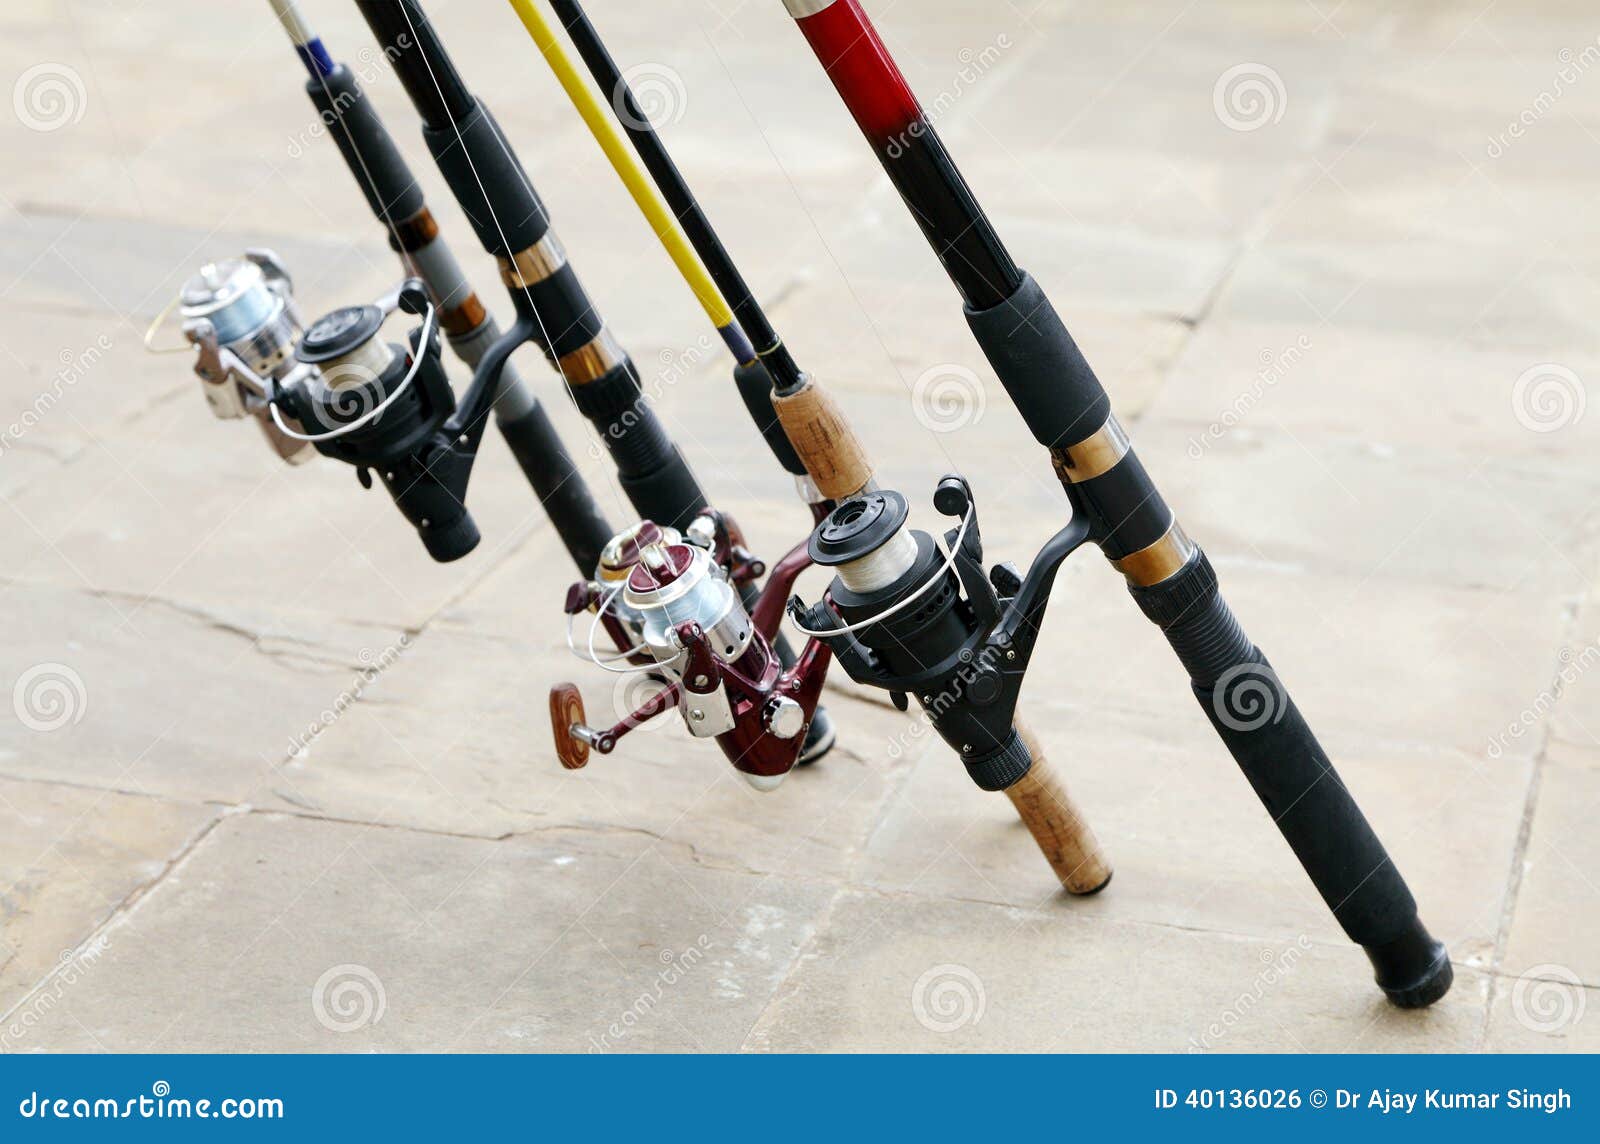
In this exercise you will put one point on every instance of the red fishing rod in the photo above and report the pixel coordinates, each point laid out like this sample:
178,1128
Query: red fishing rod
1068,412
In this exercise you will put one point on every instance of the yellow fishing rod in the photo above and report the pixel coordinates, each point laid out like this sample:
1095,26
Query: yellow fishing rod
640,188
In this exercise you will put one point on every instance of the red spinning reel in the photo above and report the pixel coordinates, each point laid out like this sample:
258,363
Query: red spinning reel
676,598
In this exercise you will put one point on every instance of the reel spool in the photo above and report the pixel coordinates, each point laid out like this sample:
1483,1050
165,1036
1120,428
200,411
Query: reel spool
387,408
240,315
679,601
903,616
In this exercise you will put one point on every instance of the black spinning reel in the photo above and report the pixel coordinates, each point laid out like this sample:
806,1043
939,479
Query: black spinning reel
903,616
389,409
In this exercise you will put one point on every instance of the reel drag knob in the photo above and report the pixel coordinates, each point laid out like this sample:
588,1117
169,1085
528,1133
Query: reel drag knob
784,718
566,718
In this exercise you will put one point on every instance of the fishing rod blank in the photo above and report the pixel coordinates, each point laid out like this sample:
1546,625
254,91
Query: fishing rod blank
839,466
396,199
696,255
774,388
1068,412
493,189
511,222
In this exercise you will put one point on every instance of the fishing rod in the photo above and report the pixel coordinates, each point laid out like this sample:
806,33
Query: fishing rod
1114,505
833,456
338,388
553,309
396,200
713,281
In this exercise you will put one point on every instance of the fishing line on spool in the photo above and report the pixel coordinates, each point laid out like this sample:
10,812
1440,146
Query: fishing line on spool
947,567
367,418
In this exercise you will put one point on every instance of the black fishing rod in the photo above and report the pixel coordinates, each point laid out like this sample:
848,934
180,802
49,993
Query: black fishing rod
553,309
1116,506
811,423
831,456
396,200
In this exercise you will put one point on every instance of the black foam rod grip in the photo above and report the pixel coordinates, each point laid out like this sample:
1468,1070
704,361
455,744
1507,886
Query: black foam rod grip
487,179
1287,768
755,386
559,487
368,149
1041,367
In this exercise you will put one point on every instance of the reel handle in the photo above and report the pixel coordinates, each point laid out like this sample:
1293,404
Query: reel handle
566,716
1056,823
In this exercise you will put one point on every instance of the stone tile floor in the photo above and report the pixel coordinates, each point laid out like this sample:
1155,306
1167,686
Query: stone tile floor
1339,265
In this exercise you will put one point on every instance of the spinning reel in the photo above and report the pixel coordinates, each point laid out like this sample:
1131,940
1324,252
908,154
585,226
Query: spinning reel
241,317
338,389
902,616
388,409
675,598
